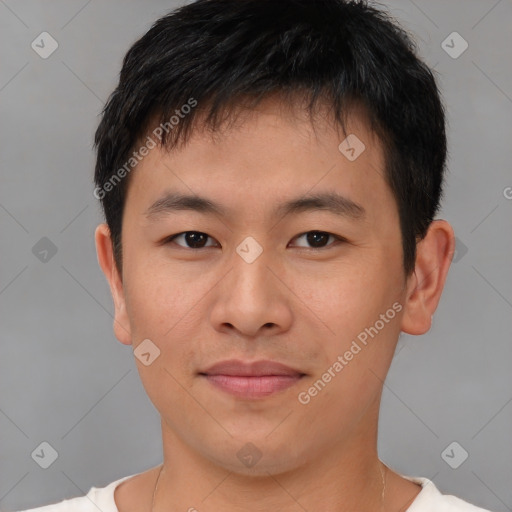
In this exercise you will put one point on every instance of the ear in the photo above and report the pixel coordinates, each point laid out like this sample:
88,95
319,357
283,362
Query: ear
105,254
424,286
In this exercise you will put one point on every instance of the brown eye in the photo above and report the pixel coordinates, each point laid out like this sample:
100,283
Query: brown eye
191,239
317,239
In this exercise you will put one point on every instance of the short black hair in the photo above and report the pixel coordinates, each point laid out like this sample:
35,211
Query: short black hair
223,54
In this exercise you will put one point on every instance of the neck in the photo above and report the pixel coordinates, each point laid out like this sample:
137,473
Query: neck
343,478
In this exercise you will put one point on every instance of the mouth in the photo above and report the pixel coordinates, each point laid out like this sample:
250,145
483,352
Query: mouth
255,380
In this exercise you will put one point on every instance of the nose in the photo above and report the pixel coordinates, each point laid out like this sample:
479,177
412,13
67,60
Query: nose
251,300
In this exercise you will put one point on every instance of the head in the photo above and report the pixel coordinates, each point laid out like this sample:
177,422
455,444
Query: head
310,136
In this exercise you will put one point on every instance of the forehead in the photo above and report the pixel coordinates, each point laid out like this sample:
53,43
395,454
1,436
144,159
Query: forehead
266,155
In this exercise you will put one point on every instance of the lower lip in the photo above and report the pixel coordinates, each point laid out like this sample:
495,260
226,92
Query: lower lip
253,387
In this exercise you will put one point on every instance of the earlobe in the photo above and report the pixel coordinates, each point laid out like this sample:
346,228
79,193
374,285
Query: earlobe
425,285
106,261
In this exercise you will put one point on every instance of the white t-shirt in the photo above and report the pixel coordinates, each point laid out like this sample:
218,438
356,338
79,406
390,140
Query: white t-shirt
429,499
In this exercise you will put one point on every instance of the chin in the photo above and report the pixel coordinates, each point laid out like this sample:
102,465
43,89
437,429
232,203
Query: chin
258,457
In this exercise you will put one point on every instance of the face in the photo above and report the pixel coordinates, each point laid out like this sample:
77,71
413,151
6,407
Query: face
292,255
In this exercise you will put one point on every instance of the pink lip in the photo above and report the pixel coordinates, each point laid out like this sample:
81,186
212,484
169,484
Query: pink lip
251,380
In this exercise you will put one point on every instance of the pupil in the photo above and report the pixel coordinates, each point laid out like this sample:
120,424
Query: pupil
315,238
194,238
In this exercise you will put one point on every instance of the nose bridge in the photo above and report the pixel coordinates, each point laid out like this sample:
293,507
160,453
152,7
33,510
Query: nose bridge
250,276
249,297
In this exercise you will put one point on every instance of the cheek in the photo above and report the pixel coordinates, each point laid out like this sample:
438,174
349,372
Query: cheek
160,298
161,308
355,314
167,306
344,299
340,404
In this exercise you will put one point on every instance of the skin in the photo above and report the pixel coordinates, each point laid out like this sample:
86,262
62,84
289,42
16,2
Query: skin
294,304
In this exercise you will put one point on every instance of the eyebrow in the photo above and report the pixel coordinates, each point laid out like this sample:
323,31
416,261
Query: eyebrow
330,201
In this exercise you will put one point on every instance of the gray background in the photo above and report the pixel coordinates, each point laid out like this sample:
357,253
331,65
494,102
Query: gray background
66,380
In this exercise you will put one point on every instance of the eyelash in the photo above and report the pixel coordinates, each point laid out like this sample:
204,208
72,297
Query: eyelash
337,238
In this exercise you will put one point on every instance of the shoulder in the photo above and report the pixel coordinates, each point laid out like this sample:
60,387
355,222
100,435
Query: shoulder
430,499
98,498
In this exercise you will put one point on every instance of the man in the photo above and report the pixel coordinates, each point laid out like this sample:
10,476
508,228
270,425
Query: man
270,172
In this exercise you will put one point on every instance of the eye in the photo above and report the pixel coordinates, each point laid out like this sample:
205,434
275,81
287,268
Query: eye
191,239
318,239
199,240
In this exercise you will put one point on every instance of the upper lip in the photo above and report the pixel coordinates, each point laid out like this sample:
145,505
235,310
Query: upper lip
235,367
